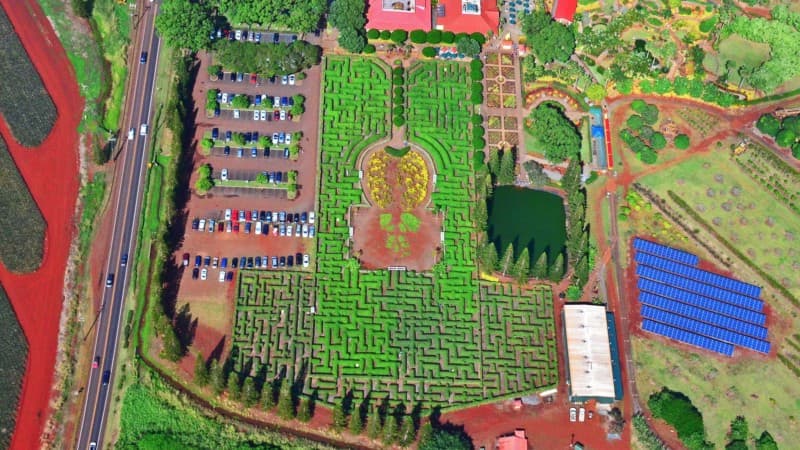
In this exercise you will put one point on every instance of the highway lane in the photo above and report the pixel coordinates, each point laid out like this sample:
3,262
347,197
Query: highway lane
132,165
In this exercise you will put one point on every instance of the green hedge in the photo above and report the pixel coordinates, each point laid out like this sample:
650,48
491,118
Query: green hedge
397,152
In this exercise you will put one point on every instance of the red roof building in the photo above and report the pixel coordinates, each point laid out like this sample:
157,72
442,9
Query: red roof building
468,16
564,10
399,15
517,441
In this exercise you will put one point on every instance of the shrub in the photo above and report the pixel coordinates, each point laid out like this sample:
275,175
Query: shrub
635,122
399,36
373,34
657,141
478,132
769,125
677,410
434,37
429,52
477,119
478,37
796,150
682,142
399,121
479,159
397,80
638,105
479,143
708,24
369,49
418,36
397,71
398,110
785,138
386,35
399,100
399,91
448,37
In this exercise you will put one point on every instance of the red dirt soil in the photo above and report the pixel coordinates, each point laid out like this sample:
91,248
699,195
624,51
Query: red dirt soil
51,172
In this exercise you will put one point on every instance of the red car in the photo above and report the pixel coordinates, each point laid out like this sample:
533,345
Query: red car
96,362
253,78
221,227
277,114
185,259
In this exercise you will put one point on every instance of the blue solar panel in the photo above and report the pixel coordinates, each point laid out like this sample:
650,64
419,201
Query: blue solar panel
699,301
700,275
703,315
688,338
697,287
665,252
704,329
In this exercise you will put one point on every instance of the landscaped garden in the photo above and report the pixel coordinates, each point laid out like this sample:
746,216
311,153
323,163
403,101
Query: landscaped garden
417,337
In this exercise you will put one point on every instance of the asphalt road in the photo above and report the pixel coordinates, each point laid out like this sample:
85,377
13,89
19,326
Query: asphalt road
125,206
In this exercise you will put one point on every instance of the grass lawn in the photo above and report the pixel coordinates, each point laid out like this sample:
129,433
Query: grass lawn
739,50
723,388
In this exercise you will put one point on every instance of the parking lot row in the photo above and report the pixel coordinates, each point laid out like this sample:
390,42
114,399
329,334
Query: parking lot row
201,265
257,228
252,138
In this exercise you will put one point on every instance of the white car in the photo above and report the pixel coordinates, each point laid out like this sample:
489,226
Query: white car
224,177
275,216
305,260
288,135
228,214
311,217
204,274
276,102
221,276
130,133
256,116
238,35
283,114
305,230
289,230
275,137
263,114
224,97
572,414
297,231
143,130
202,225
235,113
284,80
581,414
291,79
258,227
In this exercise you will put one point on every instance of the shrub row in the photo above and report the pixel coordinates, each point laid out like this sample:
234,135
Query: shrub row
422,37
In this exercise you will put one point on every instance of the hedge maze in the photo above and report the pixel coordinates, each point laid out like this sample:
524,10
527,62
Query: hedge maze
441,337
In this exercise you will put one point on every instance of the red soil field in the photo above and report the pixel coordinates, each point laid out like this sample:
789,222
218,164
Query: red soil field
51,172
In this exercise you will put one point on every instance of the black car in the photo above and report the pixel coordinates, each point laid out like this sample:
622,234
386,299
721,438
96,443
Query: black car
216,111
234,263
283,261
262,215
106,377
229,276
143,58
266,153
254,137
233,74
272,79
258,261
276,37
265,229
124,260
250,262
289,218
226,151
215,133
298,257
195,224
247,136
290,260
198,260
297,218
279,177
207,261
195,273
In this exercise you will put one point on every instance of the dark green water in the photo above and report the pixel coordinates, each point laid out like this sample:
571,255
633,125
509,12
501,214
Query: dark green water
527,218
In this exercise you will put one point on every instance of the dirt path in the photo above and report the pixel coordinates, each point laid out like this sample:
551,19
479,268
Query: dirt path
51,172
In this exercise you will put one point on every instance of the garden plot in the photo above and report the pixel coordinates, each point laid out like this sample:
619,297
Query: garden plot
439,337
12,367
24,101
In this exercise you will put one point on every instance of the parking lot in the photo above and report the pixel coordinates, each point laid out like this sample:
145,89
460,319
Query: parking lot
244,162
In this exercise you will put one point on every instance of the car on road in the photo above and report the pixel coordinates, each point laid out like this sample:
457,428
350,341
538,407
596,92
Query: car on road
306,260
96,362
204,274
276,37
223,175
292,79
93,446
195,273
185,259
110,280
131,133
106,377
124,260
143,130
572,414
143,58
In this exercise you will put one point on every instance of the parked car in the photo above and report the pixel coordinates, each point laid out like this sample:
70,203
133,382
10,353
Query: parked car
581,414
305,230
275,137
290,261
253,78
258,227
257,262
274,262
276,37
255,115
228,214
195,224
198,260
292,79
238,35
572,414
263,114
253,152
312,232
283,261
276,115
195,273
235,262
226,151
223,175
240,77
282,216
215,262
289,230
204,274
221,276
284,80
296,218
224,263
185,259
215,133
202,226
228,136
283,115
306,260
229,276
240,152
235,113
207,261
311,217
303,217
248,227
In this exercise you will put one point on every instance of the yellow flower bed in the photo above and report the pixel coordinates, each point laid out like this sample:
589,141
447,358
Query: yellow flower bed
414,177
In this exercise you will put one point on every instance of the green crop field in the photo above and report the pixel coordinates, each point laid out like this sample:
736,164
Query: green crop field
12,367
24,102
439,338
22,240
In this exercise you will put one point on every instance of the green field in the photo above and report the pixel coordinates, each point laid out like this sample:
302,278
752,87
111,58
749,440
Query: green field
738,50
22,240
440,338
24,102
12,367
760,224
155,417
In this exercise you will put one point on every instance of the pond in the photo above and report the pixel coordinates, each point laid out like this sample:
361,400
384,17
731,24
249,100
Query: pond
527,218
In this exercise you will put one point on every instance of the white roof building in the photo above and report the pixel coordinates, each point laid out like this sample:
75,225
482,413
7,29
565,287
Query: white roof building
589,363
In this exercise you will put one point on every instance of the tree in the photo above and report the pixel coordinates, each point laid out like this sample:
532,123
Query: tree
234,389
204,182
769,125
596,92
506,263
268,396
549,40
522,267
571,181
737,445
785,138
494,162
658,141
582,271
356,424
557,269
682,142
200,371
172,348
347,14
439,438
418,36
390,430
407,433
557,134
739,429
507,168
351,40
185,24
635,122
468,47
298,105
217,377
487,256
240,102
286,401
766,442
82,8
796,150
374,423
339,416
535,173
249,392
304,410
540,268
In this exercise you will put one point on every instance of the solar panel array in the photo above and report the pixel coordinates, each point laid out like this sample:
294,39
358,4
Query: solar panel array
694,306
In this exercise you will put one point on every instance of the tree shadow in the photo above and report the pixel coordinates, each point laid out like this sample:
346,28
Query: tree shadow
216,353
185,326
